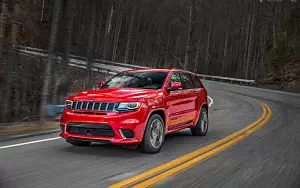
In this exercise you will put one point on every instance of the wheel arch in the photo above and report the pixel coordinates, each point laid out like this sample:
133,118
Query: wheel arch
159,111
204,105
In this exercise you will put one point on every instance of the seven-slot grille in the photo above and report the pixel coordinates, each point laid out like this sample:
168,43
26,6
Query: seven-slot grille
98,106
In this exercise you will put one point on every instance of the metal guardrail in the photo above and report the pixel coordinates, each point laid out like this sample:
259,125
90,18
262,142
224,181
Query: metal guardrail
227,79
107,67
111,67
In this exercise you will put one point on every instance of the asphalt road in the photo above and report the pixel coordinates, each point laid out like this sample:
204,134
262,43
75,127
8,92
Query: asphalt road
268,158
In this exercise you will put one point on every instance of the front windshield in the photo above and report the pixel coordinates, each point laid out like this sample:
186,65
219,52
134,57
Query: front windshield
145,80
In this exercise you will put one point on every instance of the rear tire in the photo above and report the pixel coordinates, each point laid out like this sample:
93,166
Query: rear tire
202,125
79,143
154,135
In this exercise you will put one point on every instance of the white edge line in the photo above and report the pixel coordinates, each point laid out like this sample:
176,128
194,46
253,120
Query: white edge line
211,101
27,143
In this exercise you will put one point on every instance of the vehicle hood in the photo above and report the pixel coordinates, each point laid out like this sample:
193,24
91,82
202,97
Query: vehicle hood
115,94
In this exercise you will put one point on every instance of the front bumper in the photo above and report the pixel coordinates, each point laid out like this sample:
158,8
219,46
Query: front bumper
75,137
135,121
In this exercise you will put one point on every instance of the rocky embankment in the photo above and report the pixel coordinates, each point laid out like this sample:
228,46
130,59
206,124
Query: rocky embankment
285,79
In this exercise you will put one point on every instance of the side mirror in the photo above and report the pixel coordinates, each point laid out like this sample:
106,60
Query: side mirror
175,86
100,84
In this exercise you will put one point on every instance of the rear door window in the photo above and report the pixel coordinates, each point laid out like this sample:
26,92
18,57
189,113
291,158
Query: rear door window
187,81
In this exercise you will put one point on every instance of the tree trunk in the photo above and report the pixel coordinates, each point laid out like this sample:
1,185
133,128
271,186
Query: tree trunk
42,14
117,32
176,53
240,52
62,75
208,46
187,48
24,91
90,52
69,37
129,37
7,89
225,44
168,41
196,63
81,32
14,29
14,34
274,30
246,50
2,28
250,47
137,32
107,31
231,58
97,51
52,41
147,43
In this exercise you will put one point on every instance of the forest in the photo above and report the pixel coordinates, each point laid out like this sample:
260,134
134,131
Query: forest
250,39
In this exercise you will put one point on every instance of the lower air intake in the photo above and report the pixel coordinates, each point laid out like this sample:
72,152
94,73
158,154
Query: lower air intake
127,133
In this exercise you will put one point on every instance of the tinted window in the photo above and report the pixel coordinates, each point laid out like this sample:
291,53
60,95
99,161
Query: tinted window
196,81
145,80
175,77
187,81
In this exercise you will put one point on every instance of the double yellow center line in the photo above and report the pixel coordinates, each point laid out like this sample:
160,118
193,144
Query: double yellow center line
155,175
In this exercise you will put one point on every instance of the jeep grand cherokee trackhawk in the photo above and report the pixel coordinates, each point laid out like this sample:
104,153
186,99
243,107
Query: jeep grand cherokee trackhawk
137,107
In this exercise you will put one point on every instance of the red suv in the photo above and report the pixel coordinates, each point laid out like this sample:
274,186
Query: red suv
137,107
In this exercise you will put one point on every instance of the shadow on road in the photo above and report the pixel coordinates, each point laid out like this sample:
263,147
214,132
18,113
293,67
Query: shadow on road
173,142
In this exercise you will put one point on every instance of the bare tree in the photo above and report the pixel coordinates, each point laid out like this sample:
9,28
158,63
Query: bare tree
129,36
136,42
187,48
2,27
108,30
166,64
117,31
226,44
90,52
196,62
52,40
14,34
63,73
206,64
250,46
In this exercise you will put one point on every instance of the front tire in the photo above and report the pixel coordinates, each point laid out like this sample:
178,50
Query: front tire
79,143
202,125
154,135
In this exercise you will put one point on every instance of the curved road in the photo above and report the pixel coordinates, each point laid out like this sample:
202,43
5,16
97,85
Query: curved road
270,157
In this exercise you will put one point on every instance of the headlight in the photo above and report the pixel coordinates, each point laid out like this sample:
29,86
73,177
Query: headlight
128,106
68,104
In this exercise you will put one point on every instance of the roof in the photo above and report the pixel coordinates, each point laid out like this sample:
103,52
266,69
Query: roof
148,70
155,70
